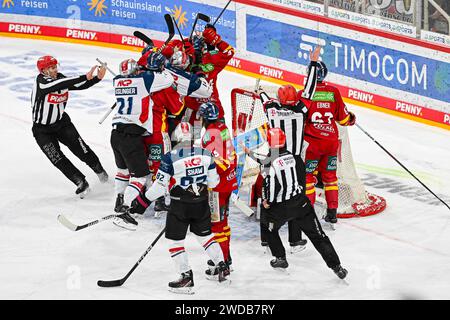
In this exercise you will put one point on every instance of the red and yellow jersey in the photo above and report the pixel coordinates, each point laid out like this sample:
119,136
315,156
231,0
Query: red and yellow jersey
163,101
217,140
213,62
325,109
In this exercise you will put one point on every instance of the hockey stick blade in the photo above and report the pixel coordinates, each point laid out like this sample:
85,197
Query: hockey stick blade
110,283
204,17
66,223
169,23
243,208
143,37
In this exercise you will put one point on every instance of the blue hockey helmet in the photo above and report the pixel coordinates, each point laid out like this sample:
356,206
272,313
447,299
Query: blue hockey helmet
155,61
209,111
322,71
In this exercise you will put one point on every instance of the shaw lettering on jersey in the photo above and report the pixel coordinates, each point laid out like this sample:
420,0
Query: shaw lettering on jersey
126,91
195,171
194,162
58,98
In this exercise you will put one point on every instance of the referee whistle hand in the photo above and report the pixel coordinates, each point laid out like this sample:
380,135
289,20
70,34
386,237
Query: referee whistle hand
90,74
101,72
314,55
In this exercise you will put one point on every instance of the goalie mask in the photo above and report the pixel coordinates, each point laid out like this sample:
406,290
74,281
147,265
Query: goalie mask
128,67
180,60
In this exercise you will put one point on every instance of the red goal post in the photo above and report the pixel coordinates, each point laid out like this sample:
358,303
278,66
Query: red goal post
354,200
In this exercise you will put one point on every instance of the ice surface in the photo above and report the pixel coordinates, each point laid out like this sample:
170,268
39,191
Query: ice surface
403,252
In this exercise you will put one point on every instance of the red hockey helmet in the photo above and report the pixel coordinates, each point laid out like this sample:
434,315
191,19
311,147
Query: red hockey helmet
287,95
46,62
276,138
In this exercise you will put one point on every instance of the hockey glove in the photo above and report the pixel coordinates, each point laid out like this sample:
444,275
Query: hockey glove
189,48
352,119
140,204
211,37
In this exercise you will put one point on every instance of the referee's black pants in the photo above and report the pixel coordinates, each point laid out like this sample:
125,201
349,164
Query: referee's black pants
301,211
48,138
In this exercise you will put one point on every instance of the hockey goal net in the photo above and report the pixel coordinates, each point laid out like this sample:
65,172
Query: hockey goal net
354,200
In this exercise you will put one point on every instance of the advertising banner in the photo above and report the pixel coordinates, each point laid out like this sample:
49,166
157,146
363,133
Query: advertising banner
147,14
355,59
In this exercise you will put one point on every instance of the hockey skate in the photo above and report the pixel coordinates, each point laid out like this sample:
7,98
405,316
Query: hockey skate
279,263
119,206
184,285
298,246
218,272
212,270
330,219
160,207
101,173
126,221
340,272
83,188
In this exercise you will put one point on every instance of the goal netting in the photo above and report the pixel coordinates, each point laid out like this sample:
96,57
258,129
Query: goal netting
354,200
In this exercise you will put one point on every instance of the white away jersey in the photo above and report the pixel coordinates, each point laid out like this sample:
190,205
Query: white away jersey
189,84
134,105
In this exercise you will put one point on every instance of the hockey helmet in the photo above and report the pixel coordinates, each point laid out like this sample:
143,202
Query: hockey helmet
287,95
128,67
209,111
180,60
322,71
155,61
276,138
183,132
46,62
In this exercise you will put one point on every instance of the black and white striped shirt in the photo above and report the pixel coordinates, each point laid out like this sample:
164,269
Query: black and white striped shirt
281,175
291,119
49,96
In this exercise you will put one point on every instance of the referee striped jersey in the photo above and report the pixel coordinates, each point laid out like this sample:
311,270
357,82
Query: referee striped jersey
49,96
291,119
281,175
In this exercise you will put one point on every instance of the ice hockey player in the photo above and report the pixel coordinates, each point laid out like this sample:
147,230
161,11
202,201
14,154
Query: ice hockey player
194,171
289,113
135,91
157,141
217,139
322,139
52,125
283,200
212,56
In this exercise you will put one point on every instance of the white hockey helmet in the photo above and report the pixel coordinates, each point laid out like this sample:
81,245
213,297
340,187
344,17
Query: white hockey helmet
183,132
180,60
128,67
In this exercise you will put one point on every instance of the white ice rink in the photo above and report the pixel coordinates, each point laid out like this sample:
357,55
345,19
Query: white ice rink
403,252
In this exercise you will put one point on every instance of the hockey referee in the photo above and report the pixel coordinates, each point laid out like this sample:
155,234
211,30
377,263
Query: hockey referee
283,200
52,125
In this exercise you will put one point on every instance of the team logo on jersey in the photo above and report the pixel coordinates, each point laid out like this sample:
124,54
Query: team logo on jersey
124,83
58,98
99,6
156,151
195,171
332,163
193,162
311,165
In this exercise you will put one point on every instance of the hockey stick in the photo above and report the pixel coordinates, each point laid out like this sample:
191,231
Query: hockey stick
171,29
200,16
360,128
119,282
143,37
220,14
178,29
108,112
252,108
69,225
